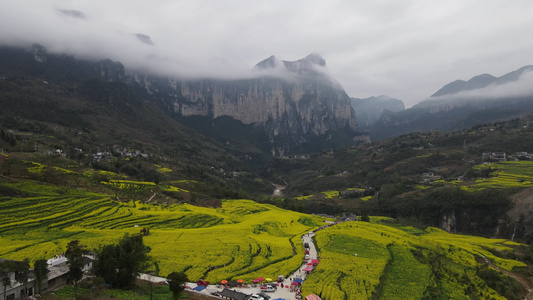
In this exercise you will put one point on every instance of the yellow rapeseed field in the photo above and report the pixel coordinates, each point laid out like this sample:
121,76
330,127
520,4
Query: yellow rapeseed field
240,239
361,260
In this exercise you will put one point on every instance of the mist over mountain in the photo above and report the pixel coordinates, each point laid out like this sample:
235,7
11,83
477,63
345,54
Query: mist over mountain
294,104
369,110
291,107
462,104
482,81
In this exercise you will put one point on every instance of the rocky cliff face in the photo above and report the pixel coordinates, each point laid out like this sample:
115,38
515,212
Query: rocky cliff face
517,224
291,102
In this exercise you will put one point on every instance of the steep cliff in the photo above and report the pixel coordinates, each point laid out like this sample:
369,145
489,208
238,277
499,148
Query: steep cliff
292,106
517,224
292,103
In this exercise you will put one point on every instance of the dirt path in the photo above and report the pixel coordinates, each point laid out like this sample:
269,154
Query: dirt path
521,279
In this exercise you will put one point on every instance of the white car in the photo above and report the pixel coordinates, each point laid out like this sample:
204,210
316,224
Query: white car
269,289
256,297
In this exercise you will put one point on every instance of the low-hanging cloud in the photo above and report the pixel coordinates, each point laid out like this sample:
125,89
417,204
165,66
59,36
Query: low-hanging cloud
523,87
406,49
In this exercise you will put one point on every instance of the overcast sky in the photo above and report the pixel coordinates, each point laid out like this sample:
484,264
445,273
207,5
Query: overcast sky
406,49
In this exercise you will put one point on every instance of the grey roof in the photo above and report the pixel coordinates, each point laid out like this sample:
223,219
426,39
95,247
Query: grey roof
234,295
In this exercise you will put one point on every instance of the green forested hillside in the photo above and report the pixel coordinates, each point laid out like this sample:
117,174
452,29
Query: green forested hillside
417,177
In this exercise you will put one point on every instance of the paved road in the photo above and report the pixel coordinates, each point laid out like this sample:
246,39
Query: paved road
283,293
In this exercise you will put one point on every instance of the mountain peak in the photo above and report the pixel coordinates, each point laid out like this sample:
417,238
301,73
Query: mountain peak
314,58
480,81
269,63
305,66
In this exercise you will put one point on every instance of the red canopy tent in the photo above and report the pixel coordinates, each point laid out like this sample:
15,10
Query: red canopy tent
258,280
314,261
308,269
312,297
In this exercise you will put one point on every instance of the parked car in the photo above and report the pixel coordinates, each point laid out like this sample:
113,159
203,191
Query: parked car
256,297
268,288
265,296
202,282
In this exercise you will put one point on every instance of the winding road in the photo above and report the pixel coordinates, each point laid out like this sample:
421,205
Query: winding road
285,292
521,279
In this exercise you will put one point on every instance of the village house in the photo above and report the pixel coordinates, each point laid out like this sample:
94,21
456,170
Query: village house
429,177
523,155
493,156
14,290
58,271
57,277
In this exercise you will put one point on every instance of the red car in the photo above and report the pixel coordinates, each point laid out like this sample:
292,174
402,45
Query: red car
202,282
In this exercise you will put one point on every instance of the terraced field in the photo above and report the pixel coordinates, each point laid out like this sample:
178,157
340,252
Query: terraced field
244,240
507,174
241,239
360,260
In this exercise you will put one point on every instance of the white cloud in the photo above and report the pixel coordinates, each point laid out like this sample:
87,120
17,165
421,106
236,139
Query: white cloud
404,49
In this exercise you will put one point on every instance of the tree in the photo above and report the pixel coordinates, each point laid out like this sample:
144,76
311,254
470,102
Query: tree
145,231
120,264
176,283
6,268
74,255
22,274
40,269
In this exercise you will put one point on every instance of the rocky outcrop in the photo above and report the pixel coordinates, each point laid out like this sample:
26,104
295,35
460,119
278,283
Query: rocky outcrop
517,224
291,102
110,71
448,222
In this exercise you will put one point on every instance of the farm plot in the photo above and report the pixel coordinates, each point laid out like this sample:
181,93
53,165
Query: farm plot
241,239
406,278
360,260
508,174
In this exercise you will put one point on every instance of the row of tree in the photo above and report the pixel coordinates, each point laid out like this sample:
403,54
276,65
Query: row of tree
117,264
